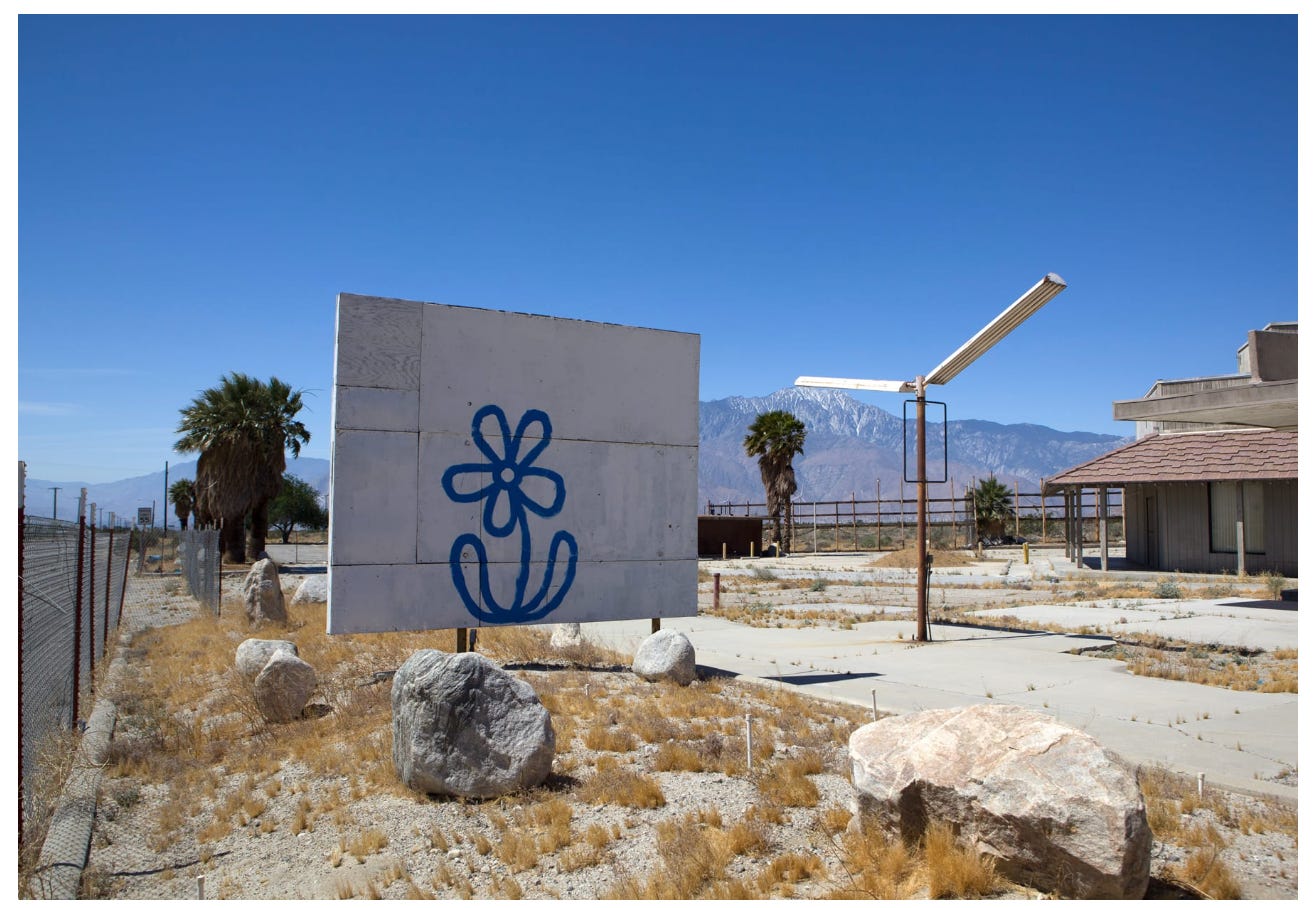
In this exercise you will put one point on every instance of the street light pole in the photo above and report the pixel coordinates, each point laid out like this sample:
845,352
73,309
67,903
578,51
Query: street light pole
1044,290
923,575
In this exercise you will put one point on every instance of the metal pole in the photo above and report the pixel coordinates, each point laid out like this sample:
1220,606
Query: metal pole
123,590
22,518
55,509
109,574
166,502
878,514
1102,504
921,510
91,601
77,606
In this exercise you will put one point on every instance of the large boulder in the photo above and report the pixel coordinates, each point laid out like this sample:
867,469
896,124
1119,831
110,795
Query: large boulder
462,726
666,656
253,655
263,593
566,636
1054,808
284,686
313,589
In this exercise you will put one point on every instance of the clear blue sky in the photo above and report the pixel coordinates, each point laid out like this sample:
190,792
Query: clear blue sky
834,196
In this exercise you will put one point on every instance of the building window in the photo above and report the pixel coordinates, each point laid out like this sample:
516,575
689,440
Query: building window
1222,516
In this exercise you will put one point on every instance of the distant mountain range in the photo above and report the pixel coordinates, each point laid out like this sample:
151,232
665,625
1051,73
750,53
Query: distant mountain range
850,445
123,496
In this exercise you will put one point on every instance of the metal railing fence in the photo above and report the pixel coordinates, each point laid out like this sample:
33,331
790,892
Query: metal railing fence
199,558
855,524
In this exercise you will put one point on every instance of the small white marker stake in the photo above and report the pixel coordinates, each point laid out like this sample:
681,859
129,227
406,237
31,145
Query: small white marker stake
1199,784
748,725
200,888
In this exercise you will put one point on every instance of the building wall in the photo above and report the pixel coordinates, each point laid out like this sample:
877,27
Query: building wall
1183,529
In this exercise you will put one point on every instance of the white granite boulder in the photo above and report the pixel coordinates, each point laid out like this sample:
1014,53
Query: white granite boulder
313,589
284,686
565,636
462,726
253,655
666,656
1054,808
263,594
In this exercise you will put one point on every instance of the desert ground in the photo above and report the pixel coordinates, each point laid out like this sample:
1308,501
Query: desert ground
651,793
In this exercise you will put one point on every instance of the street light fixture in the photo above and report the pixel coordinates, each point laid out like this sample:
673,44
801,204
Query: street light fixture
1048,287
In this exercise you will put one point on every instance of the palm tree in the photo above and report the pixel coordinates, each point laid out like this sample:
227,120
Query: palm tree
774,438
993,504
183,495
241,428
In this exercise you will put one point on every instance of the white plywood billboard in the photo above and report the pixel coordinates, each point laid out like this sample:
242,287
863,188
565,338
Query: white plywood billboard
500,468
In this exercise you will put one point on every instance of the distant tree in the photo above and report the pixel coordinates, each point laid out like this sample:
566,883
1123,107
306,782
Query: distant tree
775,438
296,505
241,428
183,495
993,504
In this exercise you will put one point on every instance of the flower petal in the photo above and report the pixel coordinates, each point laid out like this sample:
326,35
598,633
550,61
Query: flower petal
459,473
541,425
503,511
500,431
544,493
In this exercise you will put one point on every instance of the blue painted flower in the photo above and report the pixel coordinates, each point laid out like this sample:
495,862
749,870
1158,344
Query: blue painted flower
509,483
510,486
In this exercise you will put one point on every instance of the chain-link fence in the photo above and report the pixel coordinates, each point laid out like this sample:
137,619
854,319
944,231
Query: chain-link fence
71,584
198,556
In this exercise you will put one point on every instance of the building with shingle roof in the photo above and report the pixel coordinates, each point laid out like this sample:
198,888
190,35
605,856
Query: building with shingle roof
1210,483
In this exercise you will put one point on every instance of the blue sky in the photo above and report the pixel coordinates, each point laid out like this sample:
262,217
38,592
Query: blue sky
848,196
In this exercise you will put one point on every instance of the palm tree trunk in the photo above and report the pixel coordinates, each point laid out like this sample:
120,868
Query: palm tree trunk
232,539
259,532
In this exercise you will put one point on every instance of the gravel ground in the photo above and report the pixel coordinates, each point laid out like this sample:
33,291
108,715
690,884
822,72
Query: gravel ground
369,843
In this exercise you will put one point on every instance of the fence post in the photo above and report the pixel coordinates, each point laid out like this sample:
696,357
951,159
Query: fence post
109,575
902,541
953,512
77,606
91,601
1043,515
1017,512
878,514
853,505
123,591
22,518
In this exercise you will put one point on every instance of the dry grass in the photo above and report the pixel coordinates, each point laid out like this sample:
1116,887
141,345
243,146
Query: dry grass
1205,824
222,766
1217,666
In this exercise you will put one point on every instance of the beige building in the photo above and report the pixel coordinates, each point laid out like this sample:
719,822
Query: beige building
1210,483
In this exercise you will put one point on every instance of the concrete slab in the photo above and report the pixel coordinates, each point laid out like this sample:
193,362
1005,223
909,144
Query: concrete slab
1186,727
1232,622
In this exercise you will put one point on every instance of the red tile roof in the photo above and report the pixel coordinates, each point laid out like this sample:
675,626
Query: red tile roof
1190,457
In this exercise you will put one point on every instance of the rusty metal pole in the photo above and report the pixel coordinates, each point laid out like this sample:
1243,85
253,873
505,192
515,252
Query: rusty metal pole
77,605
922,578
716,591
